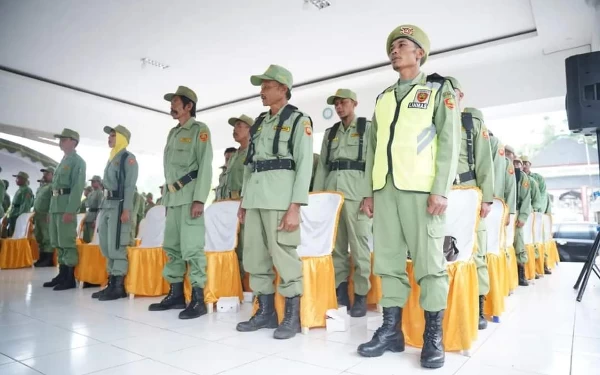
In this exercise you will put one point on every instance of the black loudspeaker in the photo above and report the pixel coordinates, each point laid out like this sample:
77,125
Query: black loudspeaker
583,93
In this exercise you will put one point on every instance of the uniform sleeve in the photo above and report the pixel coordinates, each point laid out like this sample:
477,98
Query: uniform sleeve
2,192
484,165
78,181
246,177
131,176
525,209
536,201
322,171
204,155
303,157
543,194
447,122
27,201
370,160
510,189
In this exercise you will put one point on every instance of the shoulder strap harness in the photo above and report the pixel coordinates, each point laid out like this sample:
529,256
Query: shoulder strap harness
467,123
361,126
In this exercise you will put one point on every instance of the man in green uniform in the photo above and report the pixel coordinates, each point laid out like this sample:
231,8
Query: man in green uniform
276,182
341,167
413,158
5,208
2,195
234,177
93,202
159,200
316,158
523,204
187,164
114,228
41,219
22,201
221,190
137,214
67,186
86,192
475,168
149,203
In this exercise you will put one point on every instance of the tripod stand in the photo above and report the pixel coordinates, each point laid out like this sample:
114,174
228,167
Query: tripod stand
590,263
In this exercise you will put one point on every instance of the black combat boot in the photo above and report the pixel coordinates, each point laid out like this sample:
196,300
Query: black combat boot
115,290
546,269
359,307
522,279
291,320
46,260
387,337
432,354
97,294
342,295
265,316
196,307
482,322
174,300
68,281
56,280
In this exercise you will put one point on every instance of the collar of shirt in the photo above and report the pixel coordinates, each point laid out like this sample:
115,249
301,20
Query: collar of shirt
269,118
351,126
188,123
420,79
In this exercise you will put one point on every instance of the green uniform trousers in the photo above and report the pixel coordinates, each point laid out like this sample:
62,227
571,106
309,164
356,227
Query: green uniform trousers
41,231
12,222
353,230
132,230
520,246
116,256
184,243
265,247
88,232
401,222
62,238
240,250
480,258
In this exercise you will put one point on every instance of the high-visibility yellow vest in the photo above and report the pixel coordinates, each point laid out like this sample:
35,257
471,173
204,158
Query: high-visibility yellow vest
406,139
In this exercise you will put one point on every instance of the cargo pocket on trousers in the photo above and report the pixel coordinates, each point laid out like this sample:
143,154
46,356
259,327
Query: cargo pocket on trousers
287,238
364,225
435,261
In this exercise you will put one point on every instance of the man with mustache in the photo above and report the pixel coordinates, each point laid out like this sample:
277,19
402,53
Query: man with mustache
341,167
276,182
187,165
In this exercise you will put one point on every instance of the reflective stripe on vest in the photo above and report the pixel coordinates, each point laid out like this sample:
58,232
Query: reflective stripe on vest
406,139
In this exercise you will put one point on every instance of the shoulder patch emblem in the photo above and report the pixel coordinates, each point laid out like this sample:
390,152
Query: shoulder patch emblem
27,196
511,170
203,137
308,129
185,140
448,94
501,151
66,167
525,184
421,99
449,103
485,134
305,123
131,161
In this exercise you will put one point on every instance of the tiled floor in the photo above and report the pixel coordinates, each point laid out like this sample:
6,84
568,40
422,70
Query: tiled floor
544,331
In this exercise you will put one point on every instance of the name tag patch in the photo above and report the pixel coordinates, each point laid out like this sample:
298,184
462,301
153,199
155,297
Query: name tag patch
354,135
185,140
421,99
283,128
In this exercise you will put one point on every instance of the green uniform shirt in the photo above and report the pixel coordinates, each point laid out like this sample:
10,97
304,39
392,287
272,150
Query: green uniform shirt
221,188
148,207
2,195
482,155
277,189
93,201
111,180
355,185
541,182
22,201
41,205
234,175
510,187
523,198
500,167
536,197
70,174
447,124
188,149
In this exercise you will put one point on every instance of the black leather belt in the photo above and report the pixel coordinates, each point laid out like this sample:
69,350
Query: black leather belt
464,177
57,192
347,165
93,209
111,195
182,181
272,165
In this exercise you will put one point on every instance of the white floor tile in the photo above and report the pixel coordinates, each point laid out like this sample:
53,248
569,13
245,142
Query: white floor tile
118,329
262,341
82,360
583,364
4,359
17,369
275,365
9,318
144,367
475,368
211,329
328,354
25,348
587,346
405,363
528,359
157,344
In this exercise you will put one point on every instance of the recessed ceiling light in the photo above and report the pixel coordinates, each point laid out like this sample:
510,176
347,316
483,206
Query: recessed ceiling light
147,61
320,4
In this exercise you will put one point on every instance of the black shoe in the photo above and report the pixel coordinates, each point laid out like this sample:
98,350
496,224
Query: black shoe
547,270
97,294
115,290
359,308
537,275
45,260
482,322
87,285
56,280
174,300
521,272
68,281
342,295
265,316
387,337
432,354
291,320
196,307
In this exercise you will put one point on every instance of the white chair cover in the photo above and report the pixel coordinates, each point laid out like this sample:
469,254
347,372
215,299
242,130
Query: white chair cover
80,218
21,226
141,227
509,238
461,220
96,234
319,224
221,222
547,228
538,228
154,228
494,224
528,230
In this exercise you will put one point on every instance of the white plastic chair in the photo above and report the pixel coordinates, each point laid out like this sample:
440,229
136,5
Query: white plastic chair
461,220
141,228
152,232
22,226
96,234
547,228
494,224
538,227
509,238
221,223
528,230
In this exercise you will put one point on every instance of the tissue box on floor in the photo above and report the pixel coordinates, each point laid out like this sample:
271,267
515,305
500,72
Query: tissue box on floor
337,320
248,297
228,304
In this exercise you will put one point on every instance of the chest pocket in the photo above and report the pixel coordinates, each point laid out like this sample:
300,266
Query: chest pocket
284,138
182,150
63,177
